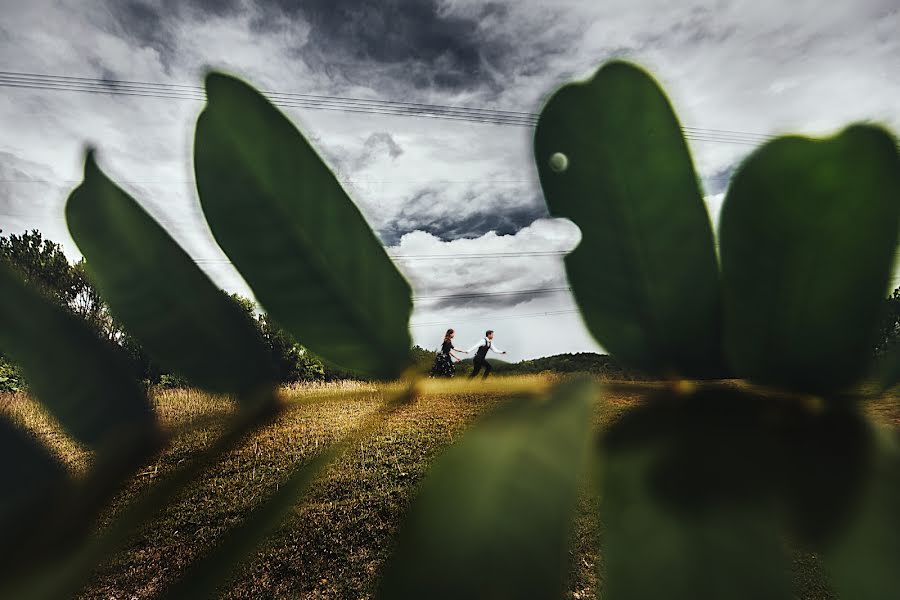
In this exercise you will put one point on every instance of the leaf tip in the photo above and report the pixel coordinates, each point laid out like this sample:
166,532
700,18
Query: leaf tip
90,160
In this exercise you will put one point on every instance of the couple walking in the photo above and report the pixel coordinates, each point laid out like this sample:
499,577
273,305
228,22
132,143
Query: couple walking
443,363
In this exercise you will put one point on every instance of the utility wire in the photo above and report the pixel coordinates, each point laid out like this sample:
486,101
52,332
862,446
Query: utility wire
491,294
436,256
26,80
498,318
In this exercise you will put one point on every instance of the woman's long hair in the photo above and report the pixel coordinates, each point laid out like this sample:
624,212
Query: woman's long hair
447,335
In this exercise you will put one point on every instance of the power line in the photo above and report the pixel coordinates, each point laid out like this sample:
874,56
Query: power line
497,318
491,294
26,80
400,257
482,255
437,256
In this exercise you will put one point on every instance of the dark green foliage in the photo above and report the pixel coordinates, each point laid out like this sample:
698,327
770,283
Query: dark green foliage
699,488
645,274
887,342
651,551
83,380
11,378
285,222
493,517
174,312
290,362
887,338
601,365
808,232
863,558
31,479
422,359
181,318
43,265
698,493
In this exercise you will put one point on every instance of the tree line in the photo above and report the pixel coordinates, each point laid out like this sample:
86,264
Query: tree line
44,265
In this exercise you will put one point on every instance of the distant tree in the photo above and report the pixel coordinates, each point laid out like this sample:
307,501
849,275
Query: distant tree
888,335
42,264
422,359
291,361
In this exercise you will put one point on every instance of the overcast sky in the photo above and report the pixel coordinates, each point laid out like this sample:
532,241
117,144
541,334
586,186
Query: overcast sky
427,186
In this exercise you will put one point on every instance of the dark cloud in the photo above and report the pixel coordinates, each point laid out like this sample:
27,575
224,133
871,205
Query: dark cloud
150,23
492,302
470,214
418,42
435,49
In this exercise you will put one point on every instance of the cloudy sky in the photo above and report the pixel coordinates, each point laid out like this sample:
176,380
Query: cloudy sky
427,186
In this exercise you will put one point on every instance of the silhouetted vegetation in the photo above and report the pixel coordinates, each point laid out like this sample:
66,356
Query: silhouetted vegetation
43,264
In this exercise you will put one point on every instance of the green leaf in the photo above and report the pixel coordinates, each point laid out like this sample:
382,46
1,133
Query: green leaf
84,381
282,217
30,478
493,517
154,288
687,506
864,561
612,158
808,231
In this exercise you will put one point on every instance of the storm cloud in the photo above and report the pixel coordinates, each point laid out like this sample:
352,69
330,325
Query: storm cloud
426,44
454,211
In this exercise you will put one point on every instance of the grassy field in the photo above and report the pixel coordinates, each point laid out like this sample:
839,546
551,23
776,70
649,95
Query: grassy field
340,534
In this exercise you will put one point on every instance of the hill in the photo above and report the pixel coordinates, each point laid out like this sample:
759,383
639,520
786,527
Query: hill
602,365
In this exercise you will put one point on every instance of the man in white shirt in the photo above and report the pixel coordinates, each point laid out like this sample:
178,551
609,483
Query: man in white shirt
480,362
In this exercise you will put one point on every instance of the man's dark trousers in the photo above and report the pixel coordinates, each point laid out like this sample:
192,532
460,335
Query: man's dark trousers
480,363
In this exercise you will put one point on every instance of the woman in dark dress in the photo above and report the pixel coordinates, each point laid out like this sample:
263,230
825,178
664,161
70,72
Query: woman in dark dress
443,362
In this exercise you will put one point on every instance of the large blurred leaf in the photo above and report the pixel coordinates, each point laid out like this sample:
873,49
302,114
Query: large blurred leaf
688,502
864,561
152,285
30,478
299,241
493,517
84,381
612,158
808,231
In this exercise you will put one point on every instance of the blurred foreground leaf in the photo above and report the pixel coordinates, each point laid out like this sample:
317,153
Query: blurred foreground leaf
183,320
864,561
85,382
492,519
290,229
808,232
687,508
30,478
612,158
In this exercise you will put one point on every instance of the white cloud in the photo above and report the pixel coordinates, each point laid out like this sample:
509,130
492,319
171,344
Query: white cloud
524,337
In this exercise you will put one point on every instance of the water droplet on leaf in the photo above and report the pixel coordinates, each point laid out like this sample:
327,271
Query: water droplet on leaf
559,162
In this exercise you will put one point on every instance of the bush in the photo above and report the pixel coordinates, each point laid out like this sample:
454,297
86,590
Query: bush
11,379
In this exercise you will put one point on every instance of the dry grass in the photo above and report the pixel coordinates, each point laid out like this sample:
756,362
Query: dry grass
340,534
